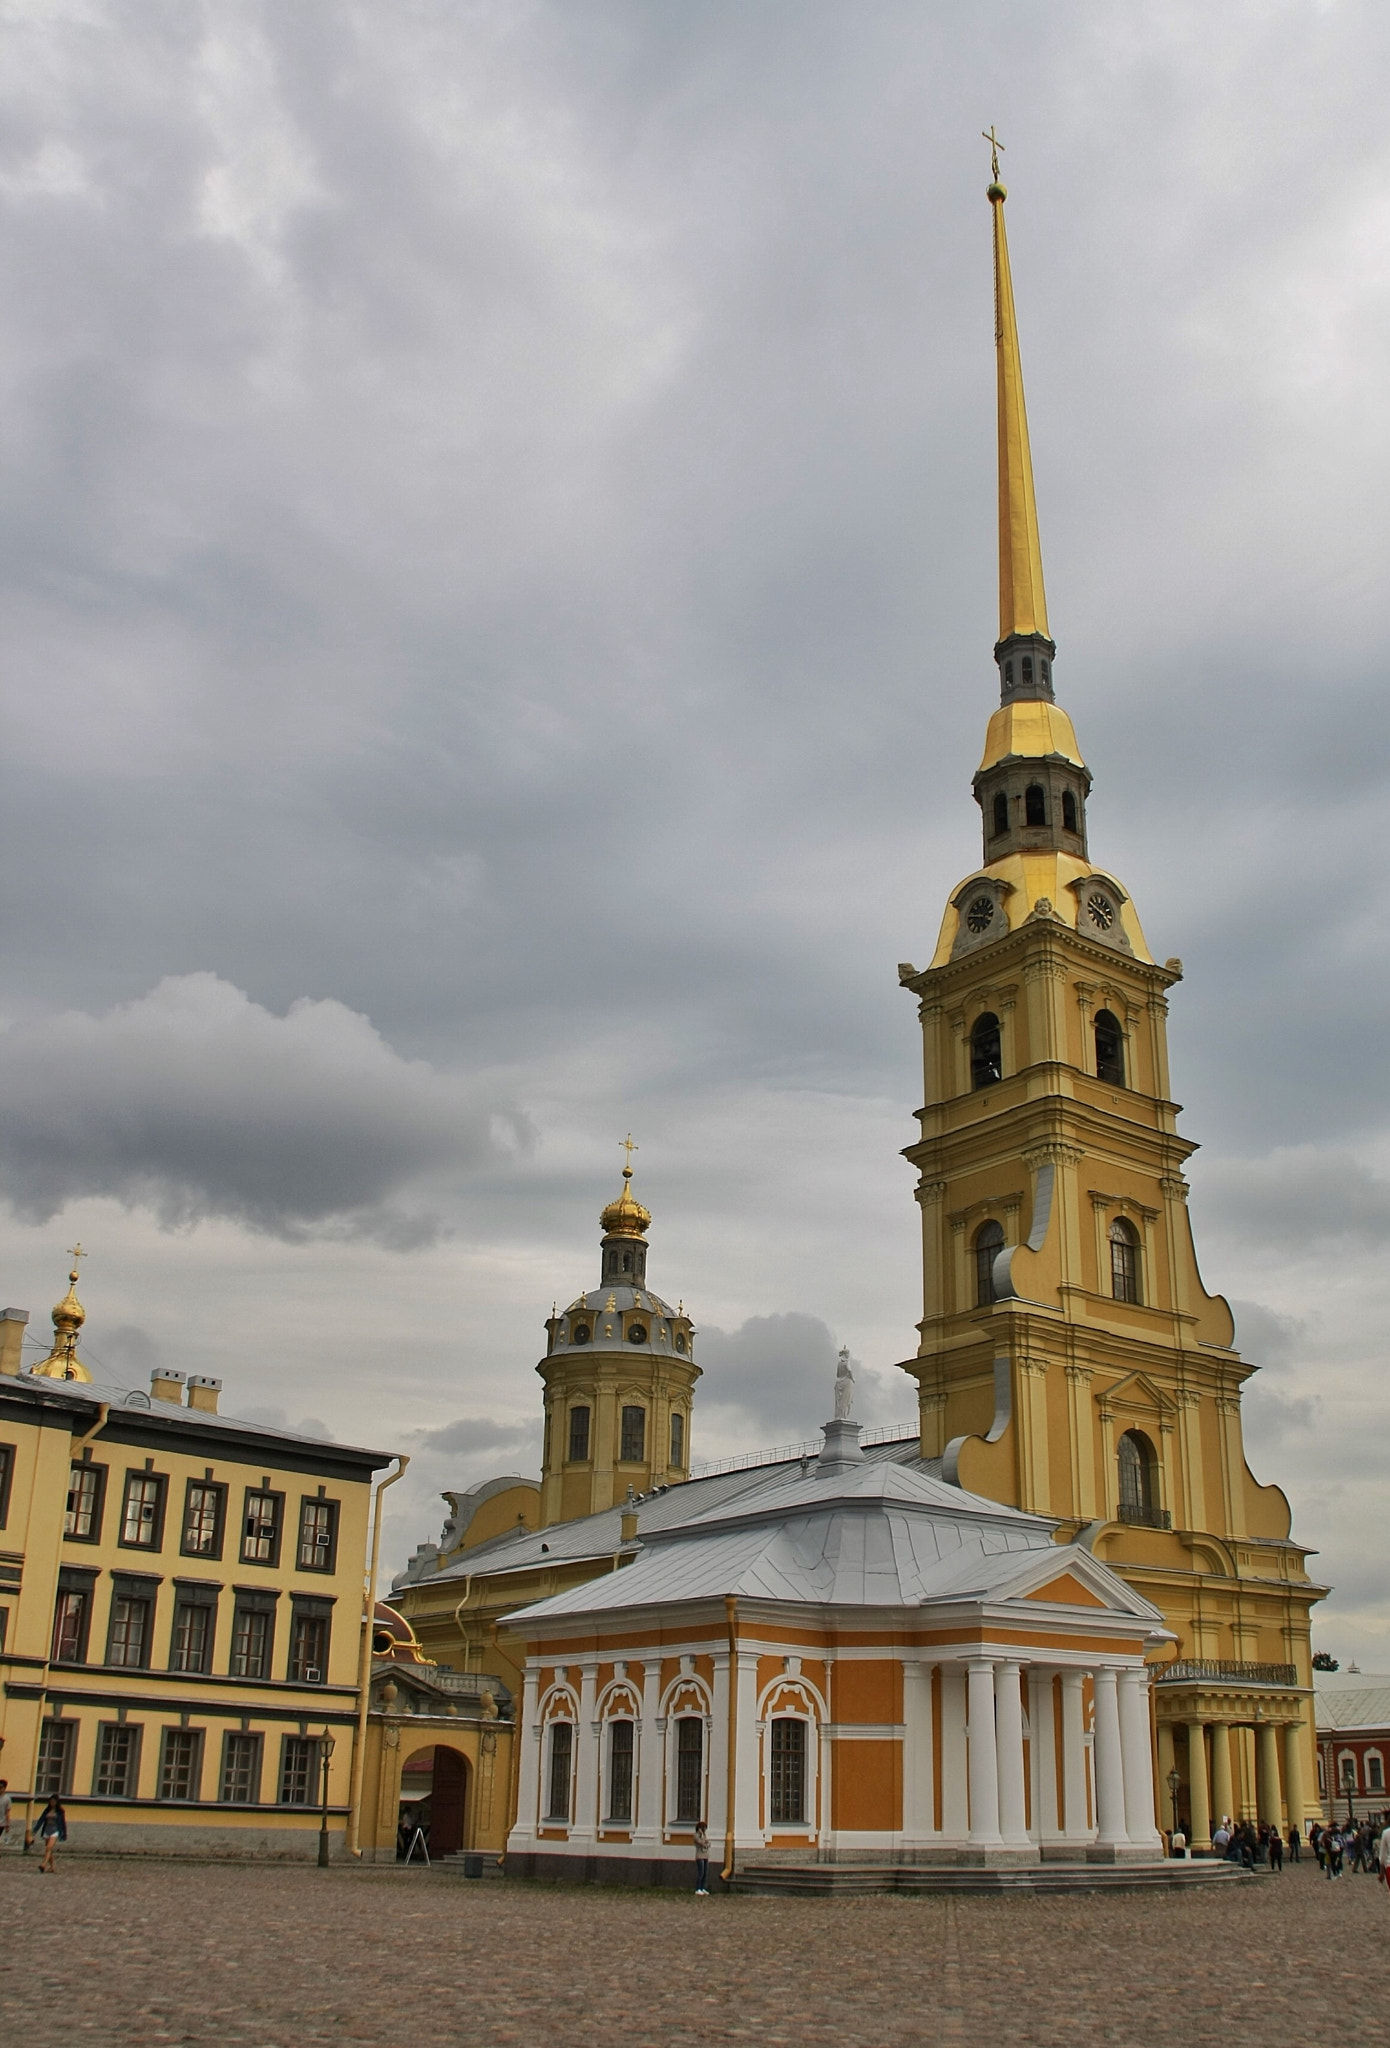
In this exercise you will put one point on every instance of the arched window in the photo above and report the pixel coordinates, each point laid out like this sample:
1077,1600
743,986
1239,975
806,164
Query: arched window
1045,671
1124,1260
1008,675
1035,804
1138,1478
1027,671
985,1051
1110,1048
989,1242
787,1772
1375,1772
690,1760
1001,813
1068,810
557,1804
620,1770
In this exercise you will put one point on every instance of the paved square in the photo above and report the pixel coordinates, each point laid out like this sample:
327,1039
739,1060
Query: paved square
272,1958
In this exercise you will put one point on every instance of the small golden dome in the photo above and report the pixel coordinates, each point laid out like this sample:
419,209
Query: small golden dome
625,1217
69,1314
62,1362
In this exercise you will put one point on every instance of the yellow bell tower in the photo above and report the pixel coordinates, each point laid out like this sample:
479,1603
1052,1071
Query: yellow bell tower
619,1375
1071,1361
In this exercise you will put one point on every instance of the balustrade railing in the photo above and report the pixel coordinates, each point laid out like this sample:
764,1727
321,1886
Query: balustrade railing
1144,1518
1225,1672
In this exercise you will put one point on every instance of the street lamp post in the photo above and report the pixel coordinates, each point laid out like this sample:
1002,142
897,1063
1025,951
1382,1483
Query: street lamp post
1173,1782
325,1755
1348,1781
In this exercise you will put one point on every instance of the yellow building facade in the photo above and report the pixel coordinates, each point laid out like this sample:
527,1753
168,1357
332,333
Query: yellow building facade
180,1611
1071,1362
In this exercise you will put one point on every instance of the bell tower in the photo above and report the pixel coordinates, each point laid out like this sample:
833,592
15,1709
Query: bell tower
619,1375
1071,1361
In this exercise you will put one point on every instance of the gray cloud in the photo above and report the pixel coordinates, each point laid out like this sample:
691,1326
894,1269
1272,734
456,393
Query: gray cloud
775,1375
196,1102
474,1436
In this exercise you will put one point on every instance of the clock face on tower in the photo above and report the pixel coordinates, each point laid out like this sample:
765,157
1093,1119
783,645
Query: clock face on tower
980,914
1100,910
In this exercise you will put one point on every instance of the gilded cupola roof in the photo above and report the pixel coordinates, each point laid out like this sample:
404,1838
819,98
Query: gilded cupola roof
62,1362
626,1217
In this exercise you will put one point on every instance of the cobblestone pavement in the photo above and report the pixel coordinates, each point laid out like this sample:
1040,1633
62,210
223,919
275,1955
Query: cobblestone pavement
264,1957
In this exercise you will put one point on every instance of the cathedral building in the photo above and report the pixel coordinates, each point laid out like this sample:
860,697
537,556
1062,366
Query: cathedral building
1061,1616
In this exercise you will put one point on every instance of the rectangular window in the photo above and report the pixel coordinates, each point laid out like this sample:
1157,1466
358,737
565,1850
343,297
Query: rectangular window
118,1760
579,1435
309,1648
620,1770
142,1515
677,1442
1375,1774
70,1618
204,1512
260,1528
128,1637
6,1476
195,1622
318,1535
57,1749
561,1751
690,1756
299,1770
241,1770
633,1446
253,1630
82,1519
181,1765
787,1774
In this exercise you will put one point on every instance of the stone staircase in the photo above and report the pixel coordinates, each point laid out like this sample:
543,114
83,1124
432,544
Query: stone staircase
853,1880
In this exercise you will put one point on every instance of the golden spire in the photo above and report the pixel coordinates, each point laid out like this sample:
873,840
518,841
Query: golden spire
62,1362
1022,601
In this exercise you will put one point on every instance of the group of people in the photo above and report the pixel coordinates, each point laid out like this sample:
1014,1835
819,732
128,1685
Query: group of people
1351,1845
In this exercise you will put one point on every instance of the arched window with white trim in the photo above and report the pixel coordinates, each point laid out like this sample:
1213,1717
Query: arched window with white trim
989,1242
1125,1277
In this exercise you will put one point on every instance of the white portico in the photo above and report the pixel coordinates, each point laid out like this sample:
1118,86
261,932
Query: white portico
851,1662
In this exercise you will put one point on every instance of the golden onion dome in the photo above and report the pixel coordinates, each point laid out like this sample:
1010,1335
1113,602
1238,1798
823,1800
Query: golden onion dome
626,1217
62,1362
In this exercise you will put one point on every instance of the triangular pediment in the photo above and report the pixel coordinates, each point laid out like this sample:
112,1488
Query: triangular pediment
1136,1390
1066,1591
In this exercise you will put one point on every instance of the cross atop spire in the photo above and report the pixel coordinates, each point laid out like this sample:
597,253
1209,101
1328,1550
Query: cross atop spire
995,145
626,1145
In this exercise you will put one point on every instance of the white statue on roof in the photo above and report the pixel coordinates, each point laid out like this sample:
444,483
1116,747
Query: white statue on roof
844,1387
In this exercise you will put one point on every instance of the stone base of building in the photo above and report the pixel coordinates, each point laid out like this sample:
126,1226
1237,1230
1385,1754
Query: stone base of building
671,1873
196,1844
1122,1852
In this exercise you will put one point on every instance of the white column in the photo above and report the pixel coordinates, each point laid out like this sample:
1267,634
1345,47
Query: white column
717,1782
1076,1826
955,1815
649,1758
984,1773
1008,1725
528,1777
1110,1780
1043,1747
748,1828
584,1825
919,1804
1136,1753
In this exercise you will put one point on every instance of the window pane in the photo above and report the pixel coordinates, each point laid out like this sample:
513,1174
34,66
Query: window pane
69,1628
309,1649
787,1772
677,1441
316,1535
579,1433
262,1529
140,1520
118,1750
181,1766
202,1521
620,1770
84,1486
298,1770
241,1769
128,1642
251,1643
634,1438
193,1625
57,1744
690,1744
561,1743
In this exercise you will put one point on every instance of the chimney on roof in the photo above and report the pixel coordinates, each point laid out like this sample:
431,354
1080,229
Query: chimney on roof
12,1321
203,1392
167,1385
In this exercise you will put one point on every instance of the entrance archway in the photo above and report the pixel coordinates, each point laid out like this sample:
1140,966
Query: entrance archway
434,1796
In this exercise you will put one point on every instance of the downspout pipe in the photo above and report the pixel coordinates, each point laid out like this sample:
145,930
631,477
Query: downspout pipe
731,1616
364,1670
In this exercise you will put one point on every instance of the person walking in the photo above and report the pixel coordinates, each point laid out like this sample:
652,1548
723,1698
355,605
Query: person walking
1332,1849
703,1860
1295,1843
1276,1849
51,1830
1385,1853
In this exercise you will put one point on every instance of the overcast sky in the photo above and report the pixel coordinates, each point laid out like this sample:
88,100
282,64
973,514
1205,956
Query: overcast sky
497,585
